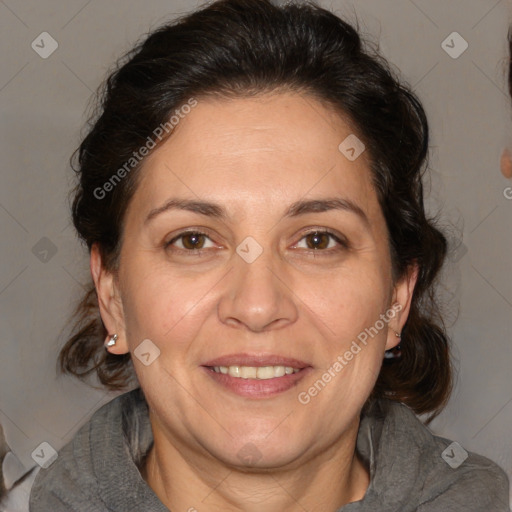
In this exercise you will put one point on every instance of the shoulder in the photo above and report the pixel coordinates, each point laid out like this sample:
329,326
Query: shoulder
466,479
61,484
70,482
437,473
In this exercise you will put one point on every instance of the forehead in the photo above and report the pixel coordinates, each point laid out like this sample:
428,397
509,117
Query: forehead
268,149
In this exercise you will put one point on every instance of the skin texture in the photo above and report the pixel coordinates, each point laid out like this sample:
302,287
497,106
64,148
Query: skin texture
254,157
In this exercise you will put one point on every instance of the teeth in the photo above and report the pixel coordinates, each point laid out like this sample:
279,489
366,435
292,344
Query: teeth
248,372
255,372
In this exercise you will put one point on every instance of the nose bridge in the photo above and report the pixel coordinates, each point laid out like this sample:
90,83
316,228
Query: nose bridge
256,296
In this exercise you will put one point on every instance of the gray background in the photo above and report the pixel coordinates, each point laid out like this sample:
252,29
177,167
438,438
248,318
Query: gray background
43,104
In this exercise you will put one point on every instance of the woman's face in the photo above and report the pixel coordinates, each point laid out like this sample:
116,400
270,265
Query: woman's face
280,276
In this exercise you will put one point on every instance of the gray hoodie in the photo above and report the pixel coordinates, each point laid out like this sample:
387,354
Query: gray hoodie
410,468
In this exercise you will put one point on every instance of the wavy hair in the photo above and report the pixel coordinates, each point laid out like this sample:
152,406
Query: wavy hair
240,48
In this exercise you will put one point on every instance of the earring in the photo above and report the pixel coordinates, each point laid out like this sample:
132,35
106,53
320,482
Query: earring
112,341
395,352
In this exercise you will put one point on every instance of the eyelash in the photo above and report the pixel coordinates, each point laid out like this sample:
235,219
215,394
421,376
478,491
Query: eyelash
342,242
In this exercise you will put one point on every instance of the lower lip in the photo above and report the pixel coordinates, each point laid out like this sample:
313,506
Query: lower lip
257,388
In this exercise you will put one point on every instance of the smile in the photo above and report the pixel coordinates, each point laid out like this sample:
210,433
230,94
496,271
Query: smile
255,372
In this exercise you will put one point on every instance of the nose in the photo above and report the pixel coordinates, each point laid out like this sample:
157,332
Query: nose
258,295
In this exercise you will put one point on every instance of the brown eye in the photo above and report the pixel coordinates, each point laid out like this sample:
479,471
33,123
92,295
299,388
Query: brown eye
318,240
323,241
189,241
193,241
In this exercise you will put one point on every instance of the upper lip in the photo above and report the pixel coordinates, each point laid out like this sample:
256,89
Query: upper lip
256,360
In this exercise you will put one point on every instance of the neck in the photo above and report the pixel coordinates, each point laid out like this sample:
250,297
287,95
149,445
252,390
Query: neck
186,480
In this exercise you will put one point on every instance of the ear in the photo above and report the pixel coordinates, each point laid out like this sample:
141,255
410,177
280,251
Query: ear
401,304
109,300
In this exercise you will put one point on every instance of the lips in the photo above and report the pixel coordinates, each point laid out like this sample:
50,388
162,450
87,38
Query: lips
256,375
256,360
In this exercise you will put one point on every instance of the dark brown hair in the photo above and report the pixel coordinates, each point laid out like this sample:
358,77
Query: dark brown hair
235,48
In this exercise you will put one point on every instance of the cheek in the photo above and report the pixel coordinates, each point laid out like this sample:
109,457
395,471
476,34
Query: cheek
347,301
350,312
159,305
351,350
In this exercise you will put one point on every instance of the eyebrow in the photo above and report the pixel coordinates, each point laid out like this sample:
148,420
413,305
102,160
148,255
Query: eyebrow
296,209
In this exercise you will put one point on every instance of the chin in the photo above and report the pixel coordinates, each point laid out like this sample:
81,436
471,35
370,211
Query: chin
258,453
